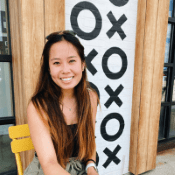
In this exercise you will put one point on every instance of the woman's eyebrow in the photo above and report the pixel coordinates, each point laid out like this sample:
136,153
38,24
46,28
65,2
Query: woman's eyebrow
55,59
52,59
71,56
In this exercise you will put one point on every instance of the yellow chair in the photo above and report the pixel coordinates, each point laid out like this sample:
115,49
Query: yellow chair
19,144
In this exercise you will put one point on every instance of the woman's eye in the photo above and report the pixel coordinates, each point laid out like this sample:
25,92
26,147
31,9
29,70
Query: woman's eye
71,61
56,63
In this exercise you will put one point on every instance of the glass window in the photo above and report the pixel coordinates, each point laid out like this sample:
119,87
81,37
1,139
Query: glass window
161,122
171,8
167,91
173,97
7,158
6,105
164,83
4,37
167,46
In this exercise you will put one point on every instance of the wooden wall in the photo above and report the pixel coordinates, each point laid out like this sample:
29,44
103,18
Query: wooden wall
31,21
54,16
152,19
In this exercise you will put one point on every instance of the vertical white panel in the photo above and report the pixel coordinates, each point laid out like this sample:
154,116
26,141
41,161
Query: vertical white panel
111,48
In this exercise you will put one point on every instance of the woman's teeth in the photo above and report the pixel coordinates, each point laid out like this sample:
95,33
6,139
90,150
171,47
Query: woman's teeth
66,79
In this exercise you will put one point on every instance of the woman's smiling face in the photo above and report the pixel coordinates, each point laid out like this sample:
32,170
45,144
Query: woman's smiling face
65,65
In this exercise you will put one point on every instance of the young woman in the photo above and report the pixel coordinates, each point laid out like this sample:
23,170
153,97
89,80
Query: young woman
62,112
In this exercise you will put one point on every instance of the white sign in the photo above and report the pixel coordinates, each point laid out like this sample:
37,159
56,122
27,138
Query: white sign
107,30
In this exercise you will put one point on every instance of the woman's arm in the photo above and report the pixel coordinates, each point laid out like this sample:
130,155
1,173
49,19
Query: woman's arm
43,143
93,97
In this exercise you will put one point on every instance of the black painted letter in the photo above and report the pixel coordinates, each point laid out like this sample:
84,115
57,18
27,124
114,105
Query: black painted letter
116,26
112,156
104,134
74,20
108,53
88,60
113,96
119,3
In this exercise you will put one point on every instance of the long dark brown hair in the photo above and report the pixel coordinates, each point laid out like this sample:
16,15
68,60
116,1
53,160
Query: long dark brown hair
46,100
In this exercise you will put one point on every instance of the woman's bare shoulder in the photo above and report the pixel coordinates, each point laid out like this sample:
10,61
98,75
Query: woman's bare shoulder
37,112
30,105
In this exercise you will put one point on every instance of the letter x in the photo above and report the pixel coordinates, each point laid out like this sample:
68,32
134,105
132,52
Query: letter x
88,59
112,156
113,96
116,25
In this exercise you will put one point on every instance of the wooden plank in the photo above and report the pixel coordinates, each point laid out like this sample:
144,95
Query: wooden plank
32,15
16,59
147,77
151,28
161,31
19,98
54,16
141,12
27,33
32,30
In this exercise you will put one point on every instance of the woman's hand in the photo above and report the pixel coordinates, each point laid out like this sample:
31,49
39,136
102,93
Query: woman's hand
91,171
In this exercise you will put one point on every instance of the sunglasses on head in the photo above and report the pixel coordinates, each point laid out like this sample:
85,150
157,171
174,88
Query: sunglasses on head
63,32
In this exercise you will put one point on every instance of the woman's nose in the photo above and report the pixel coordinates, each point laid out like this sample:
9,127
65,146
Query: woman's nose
65,68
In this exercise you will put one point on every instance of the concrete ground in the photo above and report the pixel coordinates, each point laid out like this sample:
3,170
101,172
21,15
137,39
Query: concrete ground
165,164
7,158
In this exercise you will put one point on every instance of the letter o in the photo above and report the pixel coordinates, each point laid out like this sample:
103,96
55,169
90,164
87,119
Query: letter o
108,53
114,137
74,20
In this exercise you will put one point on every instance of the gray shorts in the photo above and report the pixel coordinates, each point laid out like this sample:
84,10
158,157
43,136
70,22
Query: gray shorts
74,167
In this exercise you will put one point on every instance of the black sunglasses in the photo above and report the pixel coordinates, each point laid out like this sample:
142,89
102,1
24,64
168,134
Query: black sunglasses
63,32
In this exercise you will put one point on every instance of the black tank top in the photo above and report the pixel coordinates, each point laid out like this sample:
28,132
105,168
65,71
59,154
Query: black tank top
75,144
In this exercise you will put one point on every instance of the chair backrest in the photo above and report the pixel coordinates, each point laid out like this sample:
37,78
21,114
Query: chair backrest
21,141
23,144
